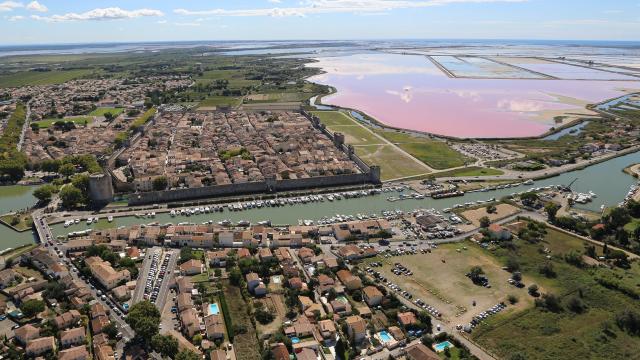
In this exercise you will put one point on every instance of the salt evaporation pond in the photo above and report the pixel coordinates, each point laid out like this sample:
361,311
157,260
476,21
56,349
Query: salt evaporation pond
409,91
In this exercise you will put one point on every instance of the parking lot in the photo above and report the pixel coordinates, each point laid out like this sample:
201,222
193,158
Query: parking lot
156,273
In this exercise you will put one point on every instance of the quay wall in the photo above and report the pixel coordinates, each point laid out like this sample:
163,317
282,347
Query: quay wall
256,187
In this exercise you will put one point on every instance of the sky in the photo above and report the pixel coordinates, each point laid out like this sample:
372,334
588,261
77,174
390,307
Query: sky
92,21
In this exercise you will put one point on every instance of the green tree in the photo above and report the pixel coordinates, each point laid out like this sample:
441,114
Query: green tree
32,307
144,319
67,170
166,345
551,209
160,183
187,355
475,272
70,196
235,276
484,222
111,330
44,193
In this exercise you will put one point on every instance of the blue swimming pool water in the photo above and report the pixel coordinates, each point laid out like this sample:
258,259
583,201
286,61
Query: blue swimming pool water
213,309
295,340
384,336
441,346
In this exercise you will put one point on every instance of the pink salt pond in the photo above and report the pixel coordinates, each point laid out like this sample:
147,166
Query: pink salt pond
409,91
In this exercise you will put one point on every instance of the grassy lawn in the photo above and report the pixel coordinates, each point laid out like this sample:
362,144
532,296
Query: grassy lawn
538,334
470,171
221,101
102,111
25,221
393,164
333,118
41,77
434,153
200,277
47,123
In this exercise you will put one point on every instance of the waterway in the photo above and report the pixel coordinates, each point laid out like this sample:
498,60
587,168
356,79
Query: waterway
13,198
572,131
605,179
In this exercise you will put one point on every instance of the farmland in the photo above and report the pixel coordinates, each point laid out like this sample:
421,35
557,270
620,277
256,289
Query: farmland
41,77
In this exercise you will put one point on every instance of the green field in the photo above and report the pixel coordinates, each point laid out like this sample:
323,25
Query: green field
46,123
393,164
354,133
221,101
245,344
434,153
470,171
277,97
542,334
41,77
104,110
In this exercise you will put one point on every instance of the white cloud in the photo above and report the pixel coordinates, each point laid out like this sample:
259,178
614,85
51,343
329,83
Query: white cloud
112,13
10,5
309,7
16,18
36,6
274,1
186,24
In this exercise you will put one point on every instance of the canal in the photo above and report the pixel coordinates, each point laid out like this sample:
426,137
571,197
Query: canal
13,198
606,179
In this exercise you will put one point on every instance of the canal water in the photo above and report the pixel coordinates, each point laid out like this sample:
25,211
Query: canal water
605,179
13,198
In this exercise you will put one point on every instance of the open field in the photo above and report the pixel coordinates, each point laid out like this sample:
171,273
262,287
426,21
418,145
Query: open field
434,153
221,101
470,171
333,118
502,211
539,334
104,110
273,303
393,164
41,77
246,345
439,279
80,120
277,97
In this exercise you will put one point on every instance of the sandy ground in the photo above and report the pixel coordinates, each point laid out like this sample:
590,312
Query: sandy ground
502,211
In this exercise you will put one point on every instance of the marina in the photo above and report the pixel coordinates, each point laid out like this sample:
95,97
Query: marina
611,190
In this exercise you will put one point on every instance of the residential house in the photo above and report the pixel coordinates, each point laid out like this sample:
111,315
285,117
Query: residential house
349,280
67,319
372,296
357,328
420,352
25,333
74,353
192,267
73,336
40,346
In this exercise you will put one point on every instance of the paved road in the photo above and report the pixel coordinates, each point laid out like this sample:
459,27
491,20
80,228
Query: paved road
43,230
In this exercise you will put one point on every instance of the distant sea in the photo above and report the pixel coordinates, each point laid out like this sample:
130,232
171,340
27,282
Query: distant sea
15,50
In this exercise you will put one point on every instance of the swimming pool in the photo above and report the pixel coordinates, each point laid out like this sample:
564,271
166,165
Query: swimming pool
385,337
213,309
295,340
441,346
